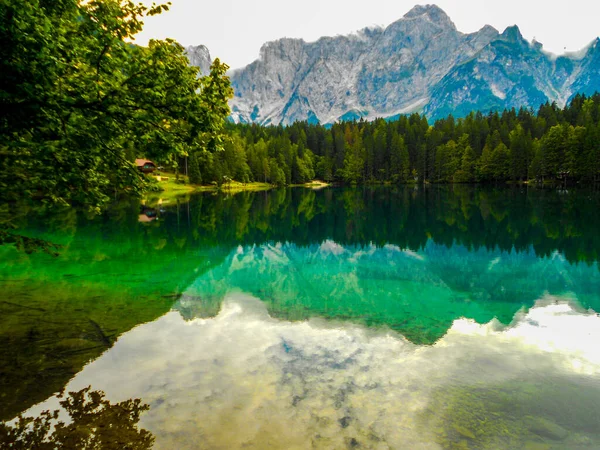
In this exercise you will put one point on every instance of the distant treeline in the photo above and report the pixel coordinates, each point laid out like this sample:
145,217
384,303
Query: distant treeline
560,145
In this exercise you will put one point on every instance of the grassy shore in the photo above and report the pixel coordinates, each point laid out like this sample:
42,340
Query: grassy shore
235,187
315,184
173,188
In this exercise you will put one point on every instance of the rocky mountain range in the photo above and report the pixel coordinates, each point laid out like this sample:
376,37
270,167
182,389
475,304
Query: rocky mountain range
420,63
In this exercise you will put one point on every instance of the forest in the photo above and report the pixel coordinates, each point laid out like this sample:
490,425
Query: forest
551,145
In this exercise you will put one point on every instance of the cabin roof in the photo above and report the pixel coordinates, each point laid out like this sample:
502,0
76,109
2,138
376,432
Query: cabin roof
143,162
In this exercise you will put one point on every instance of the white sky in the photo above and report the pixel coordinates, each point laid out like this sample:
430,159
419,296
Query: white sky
234,30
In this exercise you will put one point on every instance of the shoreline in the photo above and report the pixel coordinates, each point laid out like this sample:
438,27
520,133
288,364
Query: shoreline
173,189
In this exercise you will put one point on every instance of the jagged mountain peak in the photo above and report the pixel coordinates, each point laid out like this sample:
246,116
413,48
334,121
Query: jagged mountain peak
281,43
537,44
430,13
512,34
591,54
419,63
199,56
488,29
284,48
198,51
586,52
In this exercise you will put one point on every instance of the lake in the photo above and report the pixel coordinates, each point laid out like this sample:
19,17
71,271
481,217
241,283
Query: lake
436,317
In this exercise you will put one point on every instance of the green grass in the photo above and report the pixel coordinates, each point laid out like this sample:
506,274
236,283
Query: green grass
235,186
173,189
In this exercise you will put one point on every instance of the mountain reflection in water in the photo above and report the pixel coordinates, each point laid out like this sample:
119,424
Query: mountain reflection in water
437,317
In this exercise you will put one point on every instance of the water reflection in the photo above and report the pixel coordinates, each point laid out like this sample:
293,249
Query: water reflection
93,422
420,294
246,380
358,285
493,219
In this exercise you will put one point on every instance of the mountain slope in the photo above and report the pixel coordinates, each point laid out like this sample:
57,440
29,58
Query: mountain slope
376,72
507,72
588,76
420,63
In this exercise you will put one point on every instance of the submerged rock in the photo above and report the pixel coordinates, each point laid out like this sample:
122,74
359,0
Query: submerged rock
546,428
464,432
532,445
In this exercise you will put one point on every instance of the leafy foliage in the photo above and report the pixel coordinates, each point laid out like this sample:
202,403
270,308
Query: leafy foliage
79,101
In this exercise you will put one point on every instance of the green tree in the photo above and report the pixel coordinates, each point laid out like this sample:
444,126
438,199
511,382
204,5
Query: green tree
354,160
277,175
235,160
380,151
483,166
466,174
493,147
554,147
305,167
537,169
520,153
324,168
500,162
448,159
194,169
399,159
76,95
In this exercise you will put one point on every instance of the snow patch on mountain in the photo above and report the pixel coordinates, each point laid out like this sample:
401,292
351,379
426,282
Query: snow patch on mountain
497,92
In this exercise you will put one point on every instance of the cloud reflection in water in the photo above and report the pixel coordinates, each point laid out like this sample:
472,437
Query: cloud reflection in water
246,380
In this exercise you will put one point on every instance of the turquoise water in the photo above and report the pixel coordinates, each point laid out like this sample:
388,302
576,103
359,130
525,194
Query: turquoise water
436,317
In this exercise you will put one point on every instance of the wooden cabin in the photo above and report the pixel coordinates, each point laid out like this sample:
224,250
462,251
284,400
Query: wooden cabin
145,165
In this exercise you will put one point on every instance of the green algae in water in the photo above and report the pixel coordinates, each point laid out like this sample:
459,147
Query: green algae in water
552,414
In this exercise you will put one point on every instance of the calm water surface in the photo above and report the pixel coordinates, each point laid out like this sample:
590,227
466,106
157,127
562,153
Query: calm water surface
433,318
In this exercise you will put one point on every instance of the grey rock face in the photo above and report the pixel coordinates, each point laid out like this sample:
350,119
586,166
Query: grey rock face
511,72
199,56
507,72
420,63
587,79
373,73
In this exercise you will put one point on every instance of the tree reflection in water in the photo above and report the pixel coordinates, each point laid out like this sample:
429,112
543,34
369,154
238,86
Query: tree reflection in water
94,423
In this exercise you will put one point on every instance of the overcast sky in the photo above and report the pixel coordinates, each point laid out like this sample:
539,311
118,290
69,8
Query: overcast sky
234,30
